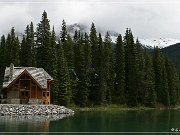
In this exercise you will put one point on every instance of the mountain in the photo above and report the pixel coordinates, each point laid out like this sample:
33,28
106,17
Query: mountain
160,42
173,52
152,42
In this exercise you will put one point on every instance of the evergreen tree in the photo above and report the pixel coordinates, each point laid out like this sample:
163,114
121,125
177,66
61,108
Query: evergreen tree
165,92
13,47
178,86
157,64
88,54
172,81
63,95
109,66
70,53
26,54
63,33
150,94
131,68
161,83
2,58
102,79
65,44
140,73
53,65
119,94
82,74
3,51
88,62
94,48
23,52
43,44
73,74
67,47
33,49
95,64
52,54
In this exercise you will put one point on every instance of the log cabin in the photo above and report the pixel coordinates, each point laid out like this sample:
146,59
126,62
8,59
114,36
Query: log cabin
26,85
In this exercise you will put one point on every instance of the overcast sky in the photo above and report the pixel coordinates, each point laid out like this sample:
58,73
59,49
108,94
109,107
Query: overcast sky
146,18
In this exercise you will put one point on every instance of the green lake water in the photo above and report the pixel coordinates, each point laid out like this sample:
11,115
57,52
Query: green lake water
125,121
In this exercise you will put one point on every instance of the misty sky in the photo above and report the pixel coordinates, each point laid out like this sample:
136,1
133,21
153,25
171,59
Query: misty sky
146,18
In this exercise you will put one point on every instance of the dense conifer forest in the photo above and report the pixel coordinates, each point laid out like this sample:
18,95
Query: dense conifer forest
173,53
88,71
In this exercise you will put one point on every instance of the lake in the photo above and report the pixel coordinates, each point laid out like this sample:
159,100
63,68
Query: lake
122,121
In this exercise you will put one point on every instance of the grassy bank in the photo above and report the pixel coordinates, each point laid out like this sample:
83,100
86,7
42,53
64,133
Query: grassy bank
110,108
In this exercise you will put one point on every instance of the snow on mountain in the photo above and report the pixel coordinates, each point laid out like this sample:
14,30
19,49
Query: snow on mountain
160,42
114,38
153,42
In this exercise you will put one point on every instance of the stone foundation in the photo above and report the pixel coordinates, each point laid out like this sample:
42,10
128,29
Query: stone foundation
35,101
13,101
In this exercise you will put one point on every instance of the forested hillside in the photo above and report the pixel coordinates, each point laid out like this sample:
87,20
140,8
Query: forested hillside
88,71
173,52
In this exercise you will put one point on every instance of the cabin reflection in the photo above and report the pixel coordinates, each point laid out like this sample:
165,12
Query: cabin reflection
31,123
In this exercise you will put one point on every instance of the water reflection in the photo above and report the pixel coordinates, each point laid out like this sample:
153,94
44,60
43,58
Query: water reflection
28,123
125,121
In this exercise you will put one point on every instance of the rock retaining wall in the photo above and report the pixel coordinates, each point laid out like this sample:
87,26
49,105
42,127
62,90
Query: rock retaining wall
18,109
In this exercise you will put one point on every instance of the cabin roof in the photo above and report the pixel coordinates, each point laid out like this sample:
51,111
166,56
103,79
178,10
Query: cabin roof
39,74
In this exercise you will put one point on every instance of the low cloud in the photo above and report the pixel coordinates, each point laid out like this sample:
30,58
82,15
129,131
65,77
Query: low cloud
146,18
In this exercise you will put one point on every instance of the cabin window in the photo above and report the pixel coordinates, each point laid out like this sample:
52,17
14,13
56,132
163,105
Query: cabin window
44,93
48,94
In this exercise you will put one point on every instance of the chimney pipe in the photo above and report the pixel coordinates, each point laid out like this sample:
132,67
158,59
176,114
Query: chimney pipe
11,71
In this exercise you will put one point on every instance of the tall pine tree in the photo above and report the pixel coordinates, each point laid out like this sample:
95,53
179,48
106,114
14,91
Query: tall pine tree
119,94
43,36
150,94
161,83
95,64
63,95
13,46
102,73
109,67
26,55
131,67
2,59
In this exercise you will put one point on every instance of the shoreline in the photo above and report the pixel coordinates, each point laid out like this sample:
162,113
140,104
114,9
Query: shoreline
22,109
119,108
